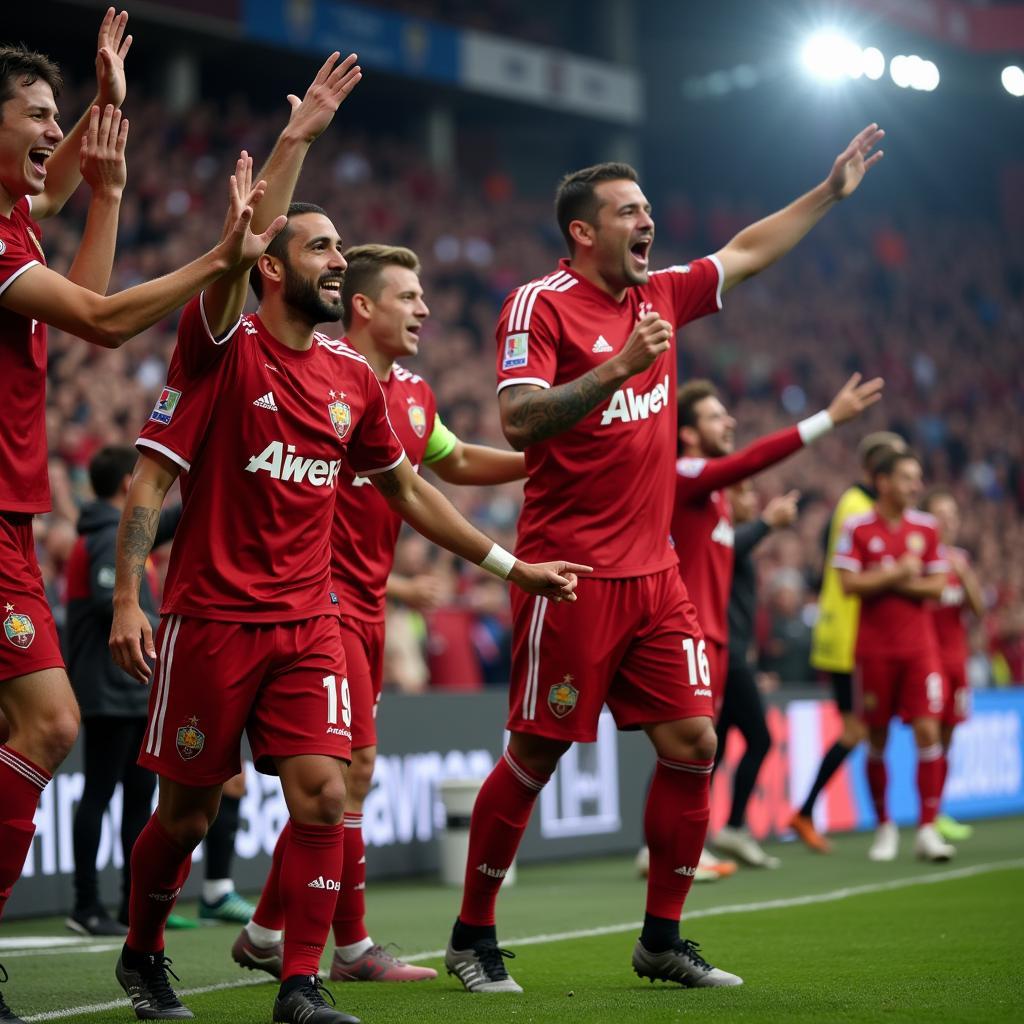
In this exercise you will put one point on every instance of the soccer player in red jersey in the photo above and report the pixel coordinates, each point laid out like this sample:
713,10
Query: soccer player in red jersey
962,593
587,381
892,560
39,170
384,312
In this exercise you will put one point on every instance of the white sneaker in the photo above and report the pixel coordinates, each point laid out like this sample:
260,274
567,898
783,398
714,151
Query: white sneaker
886,843
740,843
642,863
929,845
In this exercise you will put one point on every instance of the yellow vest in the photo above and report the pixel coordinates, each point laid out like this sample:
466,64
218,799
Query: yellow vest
835,632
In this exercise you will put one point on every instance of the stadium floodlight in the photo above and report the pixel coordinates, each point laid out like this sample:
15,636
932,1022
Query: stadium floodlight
873,61
829,56
1013,80
901,71
926,76
914,72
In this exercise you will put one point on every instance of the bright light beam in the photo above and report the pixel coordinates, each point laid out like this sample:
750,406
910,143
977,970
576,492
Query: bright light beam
1013,80
829,56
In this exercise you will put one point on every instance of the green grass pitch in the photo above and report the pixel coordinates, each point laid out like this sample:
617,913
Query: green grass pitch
822,939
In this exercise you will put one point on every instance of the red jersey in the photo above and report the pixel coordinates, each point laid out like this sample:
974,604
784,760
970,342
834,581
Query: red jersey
24,482
702,523
261,431
891,624
948,615
365,528
601,491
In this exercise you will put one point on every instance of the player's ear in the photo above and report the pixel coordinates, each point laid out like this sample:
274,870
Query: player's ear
582,234
362,305
271,267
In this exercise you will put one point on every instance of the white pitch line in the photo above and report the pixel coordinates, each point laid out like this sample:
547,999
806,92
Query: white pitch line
612,929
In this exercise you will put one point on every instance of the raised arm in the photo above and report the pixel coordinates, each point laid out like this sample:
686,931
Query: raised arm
63,169
428,512
131,634
761,244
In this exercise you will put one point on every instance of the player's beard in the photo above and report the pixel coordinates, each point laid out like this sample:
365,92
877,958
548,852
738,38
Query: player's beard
303,295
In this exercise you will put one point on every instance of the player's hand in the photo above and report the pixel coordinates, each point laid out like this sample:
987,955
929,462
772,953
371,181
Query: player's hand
649,339
553,580
240,247
332,86
102,159
910,565
424,592
854,162
112,47
781,511
854,397
131,636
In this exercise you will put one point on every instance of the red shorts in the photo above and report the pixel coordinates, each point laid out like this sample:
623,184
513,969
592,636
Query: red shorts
957,708
633,644
29,642
911,686
718,667
282,684
364,656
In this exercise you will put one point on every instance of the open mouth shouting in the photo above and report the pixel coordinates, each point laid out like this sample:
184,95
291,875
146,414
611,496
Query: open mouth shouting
37,157
639,251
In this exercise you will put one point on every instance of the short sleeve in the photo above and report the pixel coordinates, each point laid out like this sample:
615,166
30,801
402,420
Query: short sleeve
695,288
849,553
198,349
374,448
935,558
440,444
527,339
17,254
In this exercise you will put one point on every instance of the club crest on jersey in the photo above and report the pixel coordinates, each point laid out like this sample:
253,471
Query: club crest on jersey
517,351
165,406
190,740
418,419
3,247
915,543
341,417
562,697
18,628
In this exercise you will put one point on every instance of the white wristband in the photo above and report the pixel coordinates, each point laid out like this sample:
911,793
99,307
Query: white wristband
498,561
815,426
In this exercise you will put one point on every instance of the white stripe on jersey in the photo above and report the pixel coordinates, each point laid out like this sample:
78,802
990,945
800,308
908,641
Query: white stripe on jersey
522,305
562,286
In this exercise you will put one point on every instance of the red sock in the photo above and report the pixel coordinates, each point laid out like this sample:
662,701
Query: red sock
350,914
21,784
159,869
270,910
943,770
675,825
310,880
500,815
878,784
930,773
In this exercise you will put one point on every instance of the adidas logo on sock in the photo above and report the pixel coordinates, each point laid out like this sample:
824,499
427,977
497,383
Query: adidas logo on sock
601,345
266,402
689,872
319,883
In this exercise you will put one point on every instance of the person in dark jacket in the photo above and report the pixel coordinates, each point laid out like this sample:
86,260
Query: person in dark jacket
113,704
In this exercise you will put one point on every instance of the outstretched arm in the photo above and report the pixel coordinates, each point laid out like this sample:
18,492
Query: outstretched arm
63,169
479,464
760,245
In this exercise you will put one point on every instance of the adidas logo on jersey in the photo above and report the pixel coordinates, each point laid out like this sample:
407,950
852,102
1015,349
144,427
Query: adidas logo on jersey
319,883
266,402
601,345
286,465
629,407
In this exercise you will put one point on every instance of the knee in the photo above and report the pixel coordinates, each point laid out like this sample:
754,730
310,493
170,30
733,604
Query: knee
48,738
926,732
536,754
360,777
689,739
705,745
186,828
323,801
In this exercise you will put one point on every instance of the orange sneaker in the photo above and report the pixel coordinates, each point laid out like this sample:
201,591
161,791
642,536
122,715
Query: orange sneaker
809,835
717,865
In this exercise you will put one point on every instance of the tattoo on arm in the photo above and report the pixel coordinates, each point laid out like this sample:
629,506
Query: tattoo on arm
536,415
138,534
388,483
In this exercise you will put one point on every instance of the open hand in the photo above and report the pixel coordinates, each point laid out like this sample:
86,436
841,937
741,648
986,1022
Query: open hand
331,87
854,397
238,243
853,163
112,47
102,158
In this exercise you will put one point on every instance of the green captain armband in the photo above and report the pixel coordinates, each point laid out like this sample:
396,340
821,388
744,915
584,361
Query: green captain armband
441,444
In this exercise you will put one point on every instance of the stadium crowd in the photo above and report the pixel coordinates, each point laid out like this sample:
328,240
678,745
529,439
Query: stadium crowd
927,303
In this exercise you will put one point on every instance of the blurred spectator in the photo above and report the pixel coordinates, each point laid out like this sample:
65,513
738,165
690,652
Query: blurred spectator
786,649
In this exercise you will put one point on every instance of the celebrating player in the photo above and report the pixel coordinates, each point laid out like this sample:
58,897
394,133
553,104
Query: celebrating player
384,312
702,517
962,592
835,632
891,559
587,377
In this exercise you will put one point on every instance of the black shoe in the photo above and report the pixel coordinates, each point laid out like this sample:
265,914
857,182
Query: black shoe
7,1015
94,921
149,990
305,1004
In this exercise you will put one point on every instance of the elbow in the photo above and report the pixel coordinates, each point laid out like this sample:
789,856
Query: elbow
516,437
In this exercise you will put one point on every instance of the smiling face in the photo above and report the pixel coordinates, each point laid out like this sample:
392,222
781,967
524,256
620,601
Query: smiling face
28,136
395,315
714,430
313,269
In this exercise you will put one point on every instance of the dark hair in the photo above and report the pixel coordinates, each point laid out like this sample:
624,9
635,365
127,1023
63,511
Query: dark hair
576,198
365,265
874,446
21,66
687,397
108,467
887,463
278,248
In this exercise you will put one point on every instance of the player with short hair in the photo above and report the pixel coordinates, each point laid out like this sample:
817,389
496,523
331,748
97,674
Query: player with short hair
39,170
961,593
586,381
702,517
891,558
835,632
384,311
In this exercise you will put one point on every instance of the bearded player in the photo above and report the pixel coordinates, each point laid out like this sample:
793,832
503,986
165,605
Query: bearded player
384,312
587,381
